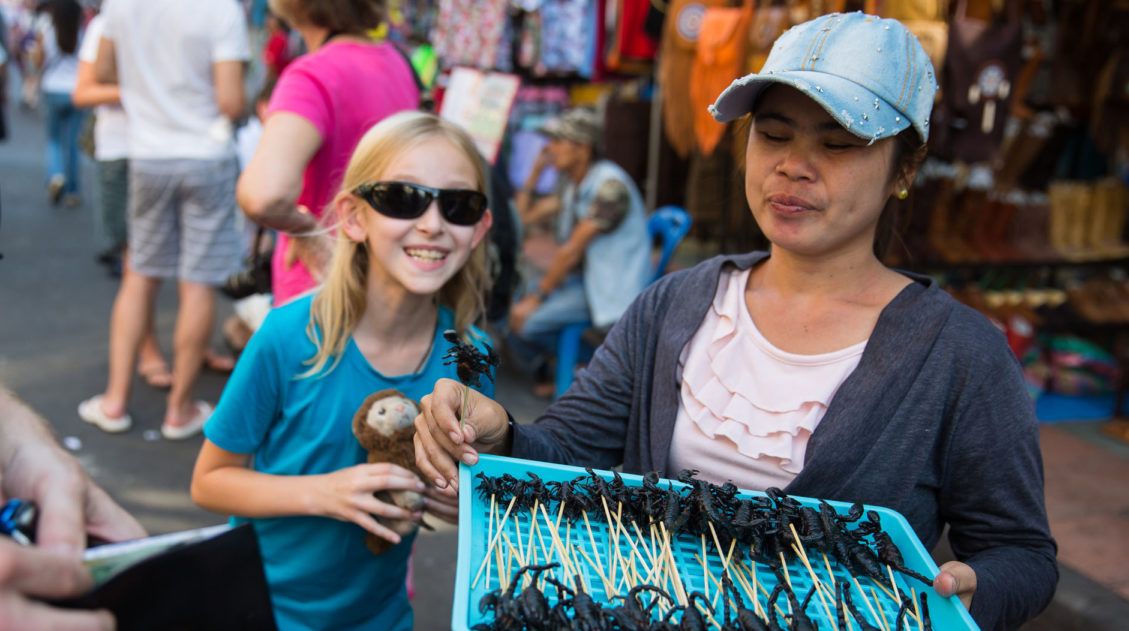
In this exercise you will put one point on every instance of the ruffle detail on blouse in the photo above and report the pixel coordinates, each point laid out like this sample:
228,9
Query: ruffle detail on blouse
736,385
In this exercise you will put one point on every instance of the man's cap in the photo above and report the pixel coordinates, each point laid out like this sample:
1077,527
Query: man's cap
578,124
869,73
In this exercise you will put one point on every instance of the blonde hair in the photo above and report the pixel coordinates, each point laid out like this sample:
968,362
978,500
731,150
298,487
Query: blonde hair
338,305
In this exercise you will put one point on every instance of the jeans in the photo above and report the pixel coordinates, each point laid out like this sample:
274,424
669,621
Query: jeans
113,177
567,304
64,123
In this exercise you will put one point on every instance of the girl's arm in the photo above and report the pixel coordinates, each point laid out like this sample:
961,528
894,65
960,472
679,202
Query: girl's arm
222,482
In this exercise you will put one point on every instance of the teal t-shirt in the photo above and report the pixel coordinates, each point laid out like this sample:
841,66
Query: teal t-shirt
321,575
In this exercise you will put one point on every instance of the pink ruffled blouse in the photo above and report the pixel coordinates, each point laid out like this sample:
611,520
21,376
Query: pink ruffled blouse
746,408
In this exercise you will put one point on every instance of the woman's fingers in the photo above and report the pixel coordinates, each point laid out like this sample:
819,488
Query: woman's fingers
442,504
956,578
442,511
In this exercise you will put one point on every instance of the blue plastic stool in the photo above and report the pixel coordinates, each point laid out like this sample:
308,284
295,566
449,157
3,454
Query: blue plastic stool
669,224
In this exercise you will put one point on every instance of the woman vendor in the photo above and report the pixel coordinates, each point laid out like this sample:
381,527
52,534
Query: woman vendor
812,367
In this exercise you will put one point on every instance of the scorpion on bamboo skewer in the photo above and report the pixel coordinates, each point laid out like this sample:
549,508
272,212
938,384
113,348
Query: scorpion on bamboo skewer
763,523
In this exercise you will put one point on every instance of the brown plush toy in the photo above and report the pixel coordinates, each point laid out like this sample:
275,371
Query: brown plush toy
384,427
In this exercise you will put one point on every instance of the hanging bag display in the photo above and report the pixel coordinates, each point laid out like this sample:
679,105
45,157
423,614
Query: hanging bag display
769,22
680,42
981,64
720,58
926,20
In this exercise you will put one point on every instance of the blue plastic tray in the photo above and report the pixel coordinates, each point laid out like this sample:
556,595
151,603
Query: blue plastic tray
476,528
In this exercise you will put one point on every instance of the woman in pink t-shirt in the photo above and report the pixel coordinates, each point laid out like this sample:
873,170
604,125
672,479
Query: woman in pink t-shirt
323,103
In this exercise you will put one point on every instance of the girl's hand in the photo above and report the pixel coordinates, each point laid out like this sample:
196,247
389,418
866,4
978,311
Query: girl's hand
442,503
441,442
348,495
956,578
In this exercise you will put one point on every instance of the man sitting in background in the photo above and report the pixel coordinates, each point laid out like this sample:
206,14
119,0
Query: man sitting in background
603,258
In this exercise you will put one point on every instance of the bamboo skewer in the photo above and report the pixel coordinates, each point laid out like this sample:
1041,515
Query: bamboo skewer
607,584
705,569
566,562
532,529
916,609
676,577
592,539
874,592
489,535
816,583
494,541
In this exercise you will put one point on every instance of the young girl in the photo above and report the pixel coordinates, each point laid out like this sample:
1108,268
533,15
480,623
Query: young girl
409,264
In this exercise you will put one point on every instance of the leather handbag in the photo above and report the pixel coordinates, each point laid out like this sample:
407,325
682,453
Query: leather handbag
255,278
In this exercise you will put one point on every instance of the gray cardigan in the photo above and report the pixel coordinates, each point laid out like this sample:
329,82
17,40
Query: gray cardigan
934,423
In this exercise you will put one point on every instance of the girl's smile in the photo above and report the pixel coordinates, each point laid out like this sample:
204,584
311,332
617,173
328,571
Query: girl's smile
427,258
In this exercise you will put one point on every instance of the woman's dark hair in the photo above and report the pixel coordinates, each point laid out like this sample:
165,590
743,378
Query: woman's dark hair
909,153
338,16
66,18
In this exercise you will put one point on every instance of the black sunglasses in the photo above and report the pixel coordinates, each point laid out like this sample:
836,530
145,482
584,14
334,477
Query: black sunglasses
407,200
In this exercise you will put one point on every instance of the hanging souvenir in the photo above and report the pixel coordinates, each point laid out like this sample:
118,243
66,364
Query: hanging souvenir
981,64
720,57
680,41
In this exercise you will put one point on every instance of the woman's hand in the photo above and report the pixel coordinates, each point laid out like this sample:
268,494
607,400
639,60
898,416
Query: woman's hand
314,252
956,578
441,442
313,247
442,503
348,495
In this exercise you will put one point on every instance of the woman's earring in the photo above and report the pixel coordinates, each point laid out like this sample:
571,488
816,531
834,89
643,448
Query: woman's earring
903,194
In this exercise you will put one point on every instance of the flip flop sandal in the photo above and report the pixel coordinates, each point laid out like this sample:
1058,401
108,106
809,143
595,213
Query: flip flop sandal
156,375
91,411
192,427
216,362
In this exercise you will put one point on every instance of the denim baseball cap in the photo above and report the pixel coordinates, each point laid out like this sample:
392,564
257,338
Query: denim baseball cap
869,73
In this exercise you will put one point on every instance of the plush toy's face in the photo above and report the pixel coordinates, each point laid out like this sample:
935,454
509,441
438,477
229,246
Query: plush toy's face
391,414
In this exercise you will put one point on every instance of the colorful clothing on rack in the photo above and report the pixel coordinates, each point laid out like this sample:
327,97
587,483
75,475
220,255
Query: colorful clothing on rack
473,33
568,28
